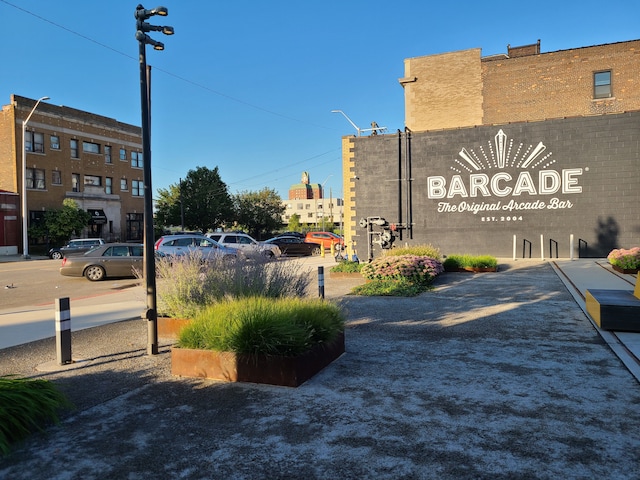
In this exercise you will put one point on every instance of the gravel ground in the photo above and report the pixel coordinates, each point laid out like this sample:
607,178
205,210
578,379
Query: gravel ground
496,376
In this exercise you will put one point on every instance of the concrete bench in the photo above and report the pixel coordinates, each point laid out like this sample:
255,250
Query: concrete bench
615,309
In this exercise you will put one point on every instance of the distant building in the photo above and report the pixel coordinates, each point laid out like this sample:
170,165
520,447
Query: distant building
524,153
92,159
308,202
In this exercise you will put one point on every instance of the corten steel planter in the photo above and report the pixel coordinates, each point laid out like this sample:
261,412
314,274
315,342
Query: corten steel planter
258,368
169,328
624,270
345,274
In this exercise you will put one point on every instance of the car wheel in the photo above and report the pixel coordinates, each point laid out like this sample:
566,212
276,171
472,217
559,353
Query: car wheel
56,255
315,252
94,273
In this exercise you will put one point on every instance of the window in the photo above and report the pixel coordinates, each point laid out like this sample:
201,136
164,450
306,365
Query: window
136,159
137,188
90,147
602,84
92,180
56,177
74,148
123,155
34,142
123,185
55,142
75,182
107,154
108,185
35,178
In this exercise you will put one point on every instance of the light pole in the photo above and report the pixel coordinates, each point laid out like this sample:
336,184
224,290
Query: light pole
25,234
349,120
151,312
322,191
360,130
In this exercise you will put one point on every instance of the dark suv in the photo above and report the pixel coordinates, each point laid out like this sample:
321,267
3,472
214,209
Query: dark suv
75,247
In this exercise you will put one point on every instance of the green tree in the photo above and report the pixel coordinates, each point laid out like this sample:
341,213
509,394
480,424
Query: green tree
205,200
59,225
294,223
259,212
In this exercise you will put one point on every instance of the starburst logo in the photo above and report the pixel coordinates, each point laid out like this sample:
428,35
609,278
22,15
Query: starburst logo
474,172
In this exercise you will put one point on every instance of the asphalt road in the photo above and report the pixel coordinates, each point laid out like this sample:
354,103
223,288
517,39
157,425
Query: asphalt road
38,282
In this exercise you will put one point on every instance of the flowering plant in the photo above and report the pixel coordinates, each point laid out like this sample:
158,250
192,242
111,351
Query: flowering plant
626,259
414,268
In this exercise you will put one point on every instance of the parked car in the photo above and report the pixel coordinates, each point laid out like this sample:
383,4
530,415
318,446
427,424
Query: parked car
188,243
75,247
325,238
291,246
245,243
107,260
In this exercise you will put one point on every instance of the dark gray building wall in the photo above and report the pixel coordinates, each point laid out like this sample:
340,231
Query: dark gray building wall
595,162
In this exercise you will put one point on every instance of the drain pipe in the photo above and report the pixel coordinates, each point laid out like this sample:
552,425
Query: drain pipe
407,154
400,180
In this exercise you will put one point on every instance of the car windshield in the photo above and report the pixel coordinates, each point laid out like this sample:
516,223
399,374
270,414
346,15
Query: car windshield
95,247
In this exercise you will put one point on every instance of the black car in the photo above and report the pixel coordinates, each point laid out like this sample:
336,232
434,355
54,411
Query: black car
75,247
294,246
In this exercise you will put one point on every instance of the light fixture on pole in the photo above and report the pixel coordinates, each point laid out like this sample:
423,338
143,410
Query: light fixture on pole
151,312
25,234
375,128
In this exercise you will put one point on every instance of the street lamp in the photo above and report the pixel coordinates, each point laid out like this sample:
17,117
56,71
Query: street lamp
321,190
25,235
349,120
151,312
375,126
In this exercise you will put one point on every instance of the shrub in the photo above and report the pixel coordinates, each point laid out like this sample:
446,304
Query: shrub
453,262
626,259
347,266
280,326
417,269
188,283
417,250
26,405
390,287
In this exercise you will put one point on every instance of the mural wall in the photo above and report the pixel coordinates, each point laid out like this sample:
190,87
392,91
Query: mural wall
570,186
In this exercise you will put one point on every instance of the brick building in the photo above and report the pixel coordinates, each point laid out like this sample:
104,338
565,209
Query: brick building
95,160
507,154
307,200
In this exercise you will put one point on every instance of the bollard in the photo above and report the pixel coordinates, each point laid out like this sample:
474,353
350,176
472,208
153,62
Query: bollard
333,250
321,282
322,250
63,331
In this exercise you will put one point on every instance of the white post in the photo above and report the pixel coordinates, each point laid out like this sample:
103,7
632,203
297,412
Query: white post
541,247
571,246
514,247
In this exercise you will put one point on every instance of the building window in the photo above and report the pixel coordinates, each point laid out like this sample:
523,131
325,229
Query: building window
34,142
123,185
55,142
107,154
56,177
137,188
92,180
123,155
75,182
74,148
90,147
35,178
108,185
602,84
136,159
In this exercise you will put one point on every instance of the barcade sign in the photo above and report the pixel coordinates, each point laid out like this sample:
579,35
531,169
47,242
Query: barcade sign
472,190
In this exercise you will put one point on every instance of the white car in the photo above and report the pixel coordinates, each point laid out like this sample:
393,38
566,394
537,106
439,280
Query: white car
245,243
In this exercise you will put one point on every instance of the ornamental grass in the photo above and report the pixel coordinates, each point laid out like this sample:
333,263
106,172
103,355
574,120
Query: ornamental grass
470,261
259,325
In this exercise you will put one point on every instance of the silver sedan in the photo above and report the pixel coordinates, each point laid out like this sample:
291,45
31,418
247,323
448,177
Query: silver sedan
109,260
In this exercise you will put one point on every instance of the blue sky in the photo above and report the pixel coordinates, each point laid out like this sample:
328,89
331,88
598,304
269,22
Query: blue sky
248,85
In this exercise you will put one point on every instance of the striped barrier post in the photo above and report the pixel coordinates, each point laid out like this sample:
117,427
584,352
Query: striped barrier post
63,331
321,282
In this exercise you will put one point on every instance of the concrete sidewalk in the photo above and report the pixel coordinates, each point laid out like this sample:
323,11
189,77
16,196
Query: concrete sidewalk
487,376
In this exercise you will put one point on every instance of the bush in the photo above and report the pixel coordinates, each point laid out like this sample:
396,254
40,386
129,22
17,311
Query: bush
416,269
626,259
187,283
259,325
25,406
347,266
417,250
453,262
390,288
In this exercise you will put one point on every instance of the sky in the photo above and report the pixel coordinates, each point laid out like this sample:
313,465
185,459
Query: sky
248,86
